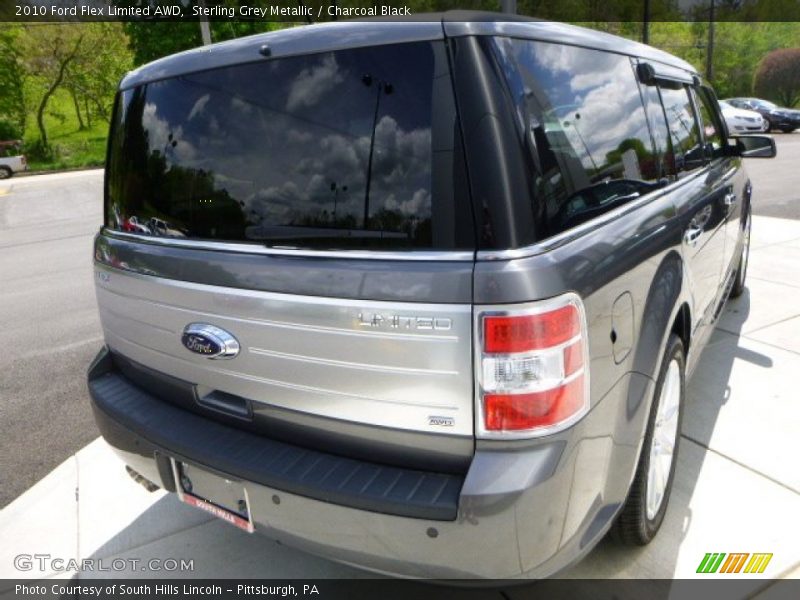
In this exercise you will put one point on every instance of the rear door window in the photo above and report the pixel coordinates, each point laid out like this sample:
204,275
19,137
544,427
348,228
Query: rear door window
687,144
344,149
711,128
586,127
658,127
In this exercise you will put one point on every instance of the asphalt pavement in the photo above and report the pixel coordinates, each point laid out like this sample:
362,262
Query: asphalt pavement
776,182
49,327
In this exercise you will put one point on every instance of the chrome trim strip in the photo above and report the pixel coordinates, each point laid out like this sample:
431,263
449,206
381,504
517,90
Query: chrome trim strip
254,248
348,364
557,240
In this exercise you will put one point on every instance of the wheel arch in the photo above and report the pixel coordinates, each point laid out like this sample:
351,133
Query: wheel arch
666,307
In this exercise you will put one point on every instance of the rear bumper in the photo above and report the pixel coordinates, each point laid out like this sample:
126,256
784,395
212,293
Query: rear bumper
527,509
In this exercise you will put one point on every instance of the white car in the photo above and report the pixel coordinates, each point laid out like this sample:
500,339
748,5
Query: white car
12,164
740,120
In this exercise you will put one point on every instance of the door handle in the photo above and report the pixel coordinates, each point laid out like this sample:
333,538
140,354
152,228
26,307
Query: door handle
691,235
729,200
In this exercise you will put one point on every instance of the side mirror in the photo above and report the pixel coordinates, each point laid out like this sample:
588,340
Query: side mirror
755,146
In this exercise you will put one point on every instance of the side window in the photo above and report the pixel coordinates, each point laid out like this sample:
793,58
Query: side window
711,130
687,145
585,126
658,127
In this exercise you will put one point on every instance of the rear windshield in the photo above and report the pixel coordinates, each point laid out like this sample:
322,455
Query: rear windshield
342,149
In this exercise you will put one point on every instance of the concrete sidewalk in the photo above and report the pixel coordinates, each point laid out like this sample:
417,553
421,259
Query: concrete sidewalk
737,487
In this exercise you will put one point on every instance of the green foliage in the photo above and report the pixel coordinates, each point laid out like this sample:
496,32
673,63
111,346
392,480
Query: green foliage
740,46
70,76
93,76
778,76
12,98
38,151
150,41
69,146
737,49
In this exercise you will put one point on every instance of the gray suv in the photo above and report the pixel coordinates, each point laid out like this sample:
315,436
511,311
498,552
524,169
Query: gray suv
423,296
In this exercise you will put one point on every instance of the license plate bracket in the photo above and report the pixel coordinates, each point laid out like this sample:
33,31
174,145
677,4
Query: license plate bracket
215,494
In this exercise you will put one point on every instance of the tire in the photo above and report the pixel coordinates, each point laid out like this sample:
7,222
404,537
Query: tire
5,173
769,127
644,510
744,259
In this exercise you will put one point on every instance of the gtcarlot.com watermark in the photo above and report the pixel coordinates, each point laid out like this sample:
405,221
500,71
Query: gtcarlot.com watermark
58,564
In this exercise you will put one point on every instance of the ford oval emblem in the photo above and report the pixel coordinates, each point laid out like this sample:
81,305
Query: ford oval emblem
209,341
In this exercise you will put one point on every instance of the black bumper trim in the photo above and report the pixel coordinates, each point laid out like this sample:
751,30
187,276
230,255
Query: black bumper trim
157,426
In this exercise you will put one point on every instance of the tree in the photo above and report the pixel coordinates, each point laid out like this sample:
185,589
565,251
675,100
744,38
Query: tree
740,47
152,40
47,51
86,59
12,96
778,76
92,77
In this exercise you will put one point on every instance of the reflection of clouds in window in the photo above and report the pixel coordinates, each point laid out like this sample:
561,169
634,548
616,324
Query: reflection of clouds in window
240,106
312,83
554,57
418,205
400,155
602,103
401,168
280,149
299,137
199,106
158,135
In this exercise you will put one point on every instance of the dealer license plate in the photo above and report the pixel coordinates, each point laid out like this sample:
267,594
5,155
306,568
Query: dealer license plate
216,495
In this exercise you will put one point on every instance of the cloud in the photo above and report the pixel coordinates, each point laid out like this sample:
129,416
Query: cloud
158,135
593,94
240,106
285,165
312,83
198,106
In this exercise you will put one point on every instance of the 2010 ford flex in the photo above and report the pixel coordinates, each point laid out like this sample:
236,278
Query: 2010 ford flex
421,297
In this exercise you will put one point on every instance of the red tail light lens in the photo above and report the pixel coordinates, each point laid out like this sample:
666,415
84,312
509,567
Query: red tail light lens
519,334
533,376
514,412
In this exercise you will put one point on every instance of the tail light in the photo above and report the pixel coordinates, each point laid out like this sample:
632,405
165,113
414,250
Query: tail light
533,376
23,160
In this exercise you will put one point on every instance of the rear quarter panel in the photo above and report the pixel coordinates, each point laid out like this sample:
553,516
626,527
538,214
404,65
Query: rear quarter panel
637,253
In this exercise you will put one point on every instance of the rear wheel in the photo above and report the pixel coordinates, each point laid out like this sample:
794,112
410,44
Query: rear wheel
741,271
5,172
644,509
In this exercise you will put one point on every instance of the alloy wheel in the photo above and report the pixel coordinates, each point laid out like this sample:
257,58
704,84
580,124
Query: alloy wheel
665,433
